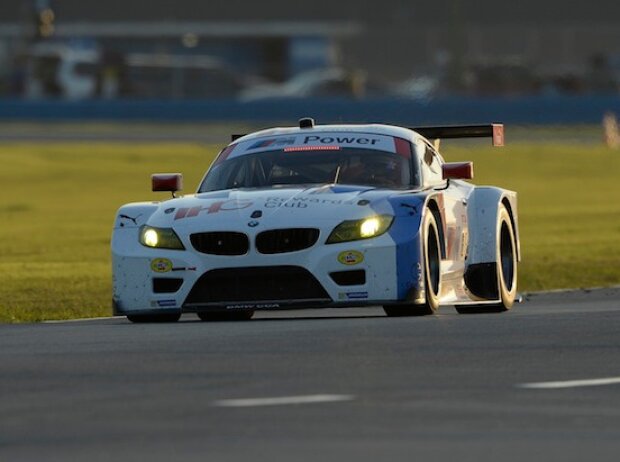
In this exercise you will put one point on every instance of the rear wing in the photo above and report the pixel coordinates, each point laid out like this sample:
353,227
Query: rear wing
493,131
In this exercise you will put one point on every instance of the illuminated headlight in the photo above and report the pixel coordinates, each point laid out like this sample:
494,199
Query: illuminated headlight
160,238
354,230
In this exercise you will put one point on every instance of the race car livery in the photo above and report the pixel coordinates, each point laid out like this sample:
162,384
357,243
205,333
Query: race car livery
321,216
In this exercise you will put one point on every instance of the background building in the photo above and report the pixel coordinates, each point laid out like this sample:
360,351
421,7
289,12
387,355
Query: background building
461,46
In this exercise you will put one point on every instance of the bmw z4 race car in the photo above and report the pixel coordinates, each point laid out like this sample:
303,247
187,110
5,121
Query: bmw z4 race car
321,216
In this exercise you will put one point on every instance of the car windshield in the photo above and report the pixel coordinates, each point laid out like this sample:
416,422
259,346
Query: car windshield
293,166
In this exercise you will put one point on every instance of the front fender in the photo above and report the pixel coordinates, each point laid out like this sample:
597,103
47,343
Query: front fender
129,219
135,214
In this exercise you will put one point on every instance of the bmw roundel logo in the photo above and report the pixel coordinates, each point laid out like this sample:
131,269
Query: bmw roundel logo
253,224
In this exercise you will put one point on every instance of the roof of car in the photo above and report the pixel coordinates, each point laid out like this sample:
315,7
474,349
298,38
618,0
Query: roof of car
378,129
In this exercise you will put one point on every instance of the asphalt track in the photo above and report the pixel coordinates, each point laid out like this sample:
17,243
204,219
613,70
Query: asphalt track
320,385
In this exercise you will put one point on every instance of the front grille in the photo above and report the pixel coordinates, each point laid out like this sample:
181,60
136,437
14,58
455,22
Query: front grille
221,243
256,284
349,278
166,285
286,240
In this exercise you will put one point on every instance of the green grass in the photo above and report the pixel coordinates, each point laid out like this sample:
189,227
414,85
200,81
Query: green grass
57,210
569,210
59,200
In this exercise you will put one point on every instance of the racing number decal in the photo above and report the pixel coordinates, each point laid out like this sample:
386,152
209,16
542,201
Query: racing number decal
216,207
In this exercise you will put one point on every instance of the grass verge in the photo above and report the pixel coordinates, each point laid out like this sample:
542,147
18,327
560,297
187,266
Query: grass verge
59,201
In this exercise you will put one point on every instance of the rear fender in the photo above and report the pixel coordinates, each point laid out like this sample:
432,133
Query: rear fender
482,211
481,261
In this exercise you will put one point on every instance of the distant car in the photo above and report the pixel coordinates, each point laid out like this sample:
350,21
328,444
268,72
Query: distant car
419,88
321,216
56,70
157,76
321,83
61,71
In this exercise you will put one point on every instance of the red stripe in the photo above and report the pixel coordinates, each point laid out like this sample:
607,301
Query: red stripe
312,148
403,147
222,156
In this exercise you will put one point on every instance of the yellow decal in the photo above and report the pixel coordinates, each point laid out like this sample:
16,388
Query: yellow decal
350,257
161,265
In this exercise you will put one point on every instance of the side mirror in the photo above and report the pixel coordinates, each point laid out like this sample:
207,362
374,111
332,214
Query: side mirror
458,170
171,182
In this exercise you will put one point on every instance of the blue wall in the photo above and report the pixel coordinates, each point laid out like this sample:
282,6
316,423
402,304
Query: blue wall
528,110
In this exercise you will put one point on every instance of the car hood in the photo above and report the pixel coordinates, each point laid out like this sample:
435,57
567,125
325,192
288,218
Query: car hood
275,207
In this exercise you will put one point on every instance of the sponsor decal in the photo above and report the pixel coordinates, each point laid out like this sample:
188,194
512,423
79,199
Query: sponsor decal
275,202
167,303
127,217
302,202
352,295
340,140
253,306
272,142
183,268
161,265
350,257
413,208
269,203
216,207
464,243
325,141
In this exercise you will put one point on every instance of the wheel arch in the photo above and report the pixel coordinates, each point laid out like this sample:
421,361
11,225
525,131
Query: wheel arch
481,277
431,204
511,207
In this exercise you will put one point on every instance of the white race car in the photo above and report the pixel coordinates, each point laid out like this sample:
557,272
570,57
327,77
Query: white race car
321,216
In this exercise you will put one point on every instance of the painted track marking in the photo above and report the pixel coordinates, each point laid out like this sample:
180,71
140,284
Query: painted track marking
282,400
571,383
62,321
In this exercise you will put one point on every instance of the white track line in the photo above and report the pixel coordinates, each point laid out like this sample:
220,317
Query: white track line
282,400
62,321
524,294
571,383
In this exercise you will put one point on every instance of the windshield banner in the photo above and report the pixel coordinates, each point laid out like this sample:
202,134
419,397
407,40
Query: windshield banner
319,141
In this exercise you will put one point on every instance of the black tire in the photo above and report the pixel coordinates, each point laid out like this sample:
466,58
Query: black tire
154,318
218,316
432,273
506,268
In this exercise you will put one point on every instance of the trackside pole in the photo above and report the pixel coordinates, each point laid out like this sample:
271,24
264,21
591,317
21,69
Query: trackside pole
611,134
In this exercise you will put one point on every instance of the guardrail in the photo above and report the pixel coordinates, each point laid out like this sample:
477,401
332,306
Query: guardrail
523,110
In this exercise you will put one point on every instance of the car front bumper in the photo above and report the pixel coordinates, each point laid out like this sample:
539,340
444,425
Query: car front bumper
358,273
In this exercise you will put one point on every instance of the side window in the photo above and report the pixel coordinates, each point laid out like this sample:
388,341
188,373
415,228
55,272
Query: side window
241,176
430,164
